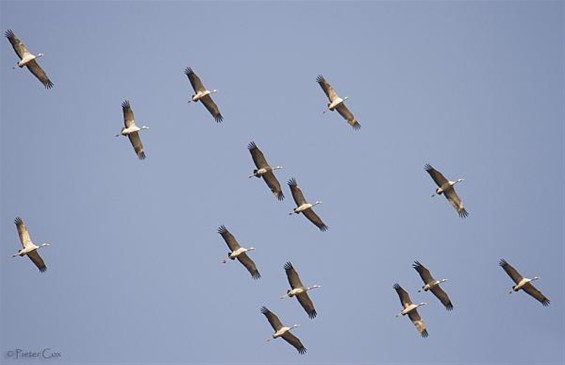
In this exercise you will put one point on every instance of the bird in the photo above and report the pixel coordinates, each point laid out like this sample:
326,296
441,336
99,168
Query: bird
132,131
236,251
282,331
265,170
203,94
299,291
432,284
29,248
337,103
302,206
411,309
523,283
28,59
446,187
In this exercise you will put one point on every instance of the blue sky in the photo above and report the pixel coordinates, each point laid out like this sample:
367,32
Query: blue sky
134,275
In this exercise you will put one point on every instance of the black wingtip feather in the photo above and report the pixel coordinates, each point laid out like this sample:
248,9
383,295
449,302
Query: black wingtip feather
9,34
323,228
313,314
280,195
18,220
416,265
545,302
302,350
449,307
502,263
356,126
463,213
256,275
425,333
251,145
125,104
43,269
222,229
428,167
49,84
188,71
396,286
320,79
264,310
141,156
219,118
288,266
292,182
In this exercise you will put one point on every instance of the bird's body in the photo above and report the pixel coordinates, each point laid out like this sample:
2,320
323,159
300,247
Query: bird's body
337,103
523,283
203,95
283,331
446,187
28,247
265,171
28,59
238,252
432,285
302,206
131,130
411,309
299,291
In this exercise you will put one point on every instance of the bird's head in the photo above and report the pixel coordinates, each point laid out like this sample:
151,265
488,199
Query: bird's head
251,249
421,304
460,180
535,278
45,244
39,54
346,98
214,91
317,202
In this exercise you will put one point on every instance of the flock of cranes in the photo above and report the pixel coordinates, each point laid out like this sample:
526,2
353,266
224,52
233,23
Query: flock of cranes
264,170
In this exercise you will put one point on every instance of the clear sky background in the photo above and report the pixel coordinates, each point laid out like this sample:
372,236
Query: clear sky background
134,275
